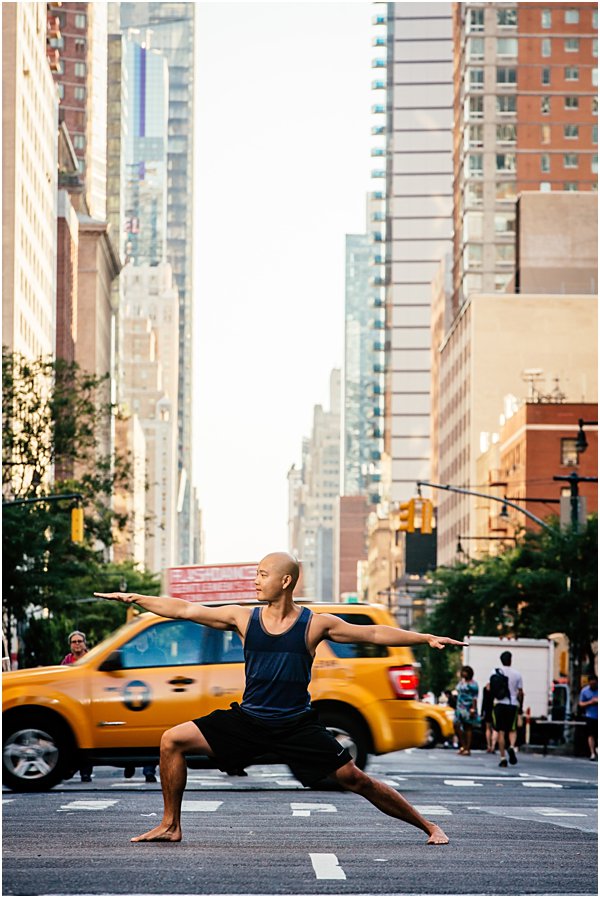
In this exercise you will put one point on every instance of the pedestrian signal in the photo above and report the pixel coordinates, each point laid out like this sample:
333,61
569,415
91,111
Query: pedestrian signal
77,525
406,518
426,516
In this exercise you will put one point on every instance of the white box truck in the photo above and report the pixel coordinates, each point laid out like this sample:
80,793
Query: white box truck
533,658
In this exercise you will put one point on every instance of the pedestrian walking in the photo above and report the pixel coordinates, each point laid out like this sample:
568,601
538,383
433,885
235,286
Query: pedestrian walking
588,700
506,686
280,639
77,649
487,707
465,713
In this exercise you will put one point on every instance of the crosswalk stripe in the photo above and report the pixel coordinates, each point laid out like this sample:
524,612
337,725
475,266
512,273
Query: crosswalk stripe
88,805
304,808
542,785
200,806
326,866
435,809
461,783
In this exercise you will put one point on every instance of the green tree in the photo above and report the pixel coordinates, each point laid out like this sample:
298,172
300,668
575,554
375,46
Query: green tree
547,583
56,422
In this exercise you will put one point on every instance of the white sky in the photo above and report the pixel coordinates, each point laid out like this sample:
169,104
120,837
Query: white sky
282,172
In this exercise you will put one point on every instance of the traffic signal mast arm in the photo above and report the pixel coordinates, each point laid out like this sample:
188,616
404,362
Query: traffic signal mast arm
503,501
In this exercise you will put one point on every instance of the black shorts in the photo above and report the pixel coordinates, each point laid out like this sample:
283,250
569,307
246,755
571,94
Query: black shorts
591,727
238,739
504,718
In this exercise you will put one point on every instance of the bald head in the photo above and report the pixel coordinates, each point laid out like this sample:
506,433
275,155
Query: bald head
283,563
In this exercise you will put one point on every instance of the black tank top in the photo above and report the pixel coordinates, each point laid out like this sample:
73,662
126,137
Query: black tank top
277,669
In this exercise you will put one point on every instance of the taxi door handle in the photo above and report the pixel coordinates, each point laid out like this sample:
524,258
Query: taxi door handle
181,681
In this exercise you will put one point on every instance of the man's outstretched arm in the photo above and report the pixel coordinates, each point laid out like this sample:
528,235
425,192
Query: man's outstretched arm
222,618
334,628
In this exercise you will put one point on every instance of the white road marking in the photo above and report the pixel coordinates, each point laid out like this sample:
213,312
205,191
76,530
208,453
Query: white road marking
303,808
89,805
6,800
461,783
326,866
556,812
565,818
206,806
394,782
437,809
539,785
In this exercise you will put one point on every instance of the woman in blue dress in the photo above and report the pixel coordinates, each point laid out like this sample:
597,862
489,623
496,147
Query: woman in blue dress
465,713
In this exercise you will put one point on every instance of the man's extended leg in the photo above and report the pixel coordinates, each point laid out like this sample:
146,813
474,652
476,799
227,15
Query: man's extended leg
387,800
173,776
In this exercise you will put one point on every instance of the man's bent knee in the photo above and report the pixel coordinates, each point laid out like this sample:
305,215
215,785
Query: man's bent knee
186,737
352,777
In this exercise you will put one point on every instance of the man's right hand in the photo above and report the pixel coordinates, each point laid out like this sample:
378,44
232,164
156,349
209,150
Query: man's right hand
127,597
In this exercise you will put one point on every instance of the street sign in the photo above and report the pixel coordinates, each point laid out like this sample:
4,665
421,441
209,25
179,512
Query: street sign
566,510
212,582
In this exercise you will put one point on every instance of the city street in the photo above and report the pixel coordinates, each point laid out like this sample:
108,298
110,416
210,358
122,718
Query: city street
528,829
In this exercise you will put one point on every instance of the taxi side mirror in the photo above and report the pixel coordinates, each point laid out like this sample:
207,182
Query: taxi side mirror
113,662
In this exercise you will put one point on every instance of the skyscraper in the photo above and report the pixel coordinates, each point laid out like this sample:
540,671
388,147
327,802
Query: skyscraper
413,193
169,28
526,118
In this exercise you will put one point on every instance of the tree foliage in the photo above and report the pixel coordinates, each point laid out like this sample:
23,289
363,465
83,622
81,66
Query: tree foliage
56,439
547,583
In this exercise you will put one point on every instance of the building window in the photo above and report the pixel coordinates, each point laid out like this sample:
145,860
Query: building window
546,46
545,187
571,73
571,102
594,133
79,141
546,18
475,107
505,191
568,451
475,21
506,105
571,45
594,105
473,226
506,133
506,46
545,105
474,194
571,160
545,162
595,77
571,132
79,20
475,48
545,134
545,75
595,19
80,45
501,281
79,92
506,75
571,186
476,165
505,253
507,18
505,224
476,79
506,162
80,69
474,136
595,163
61,90
473,255
595,47
571,17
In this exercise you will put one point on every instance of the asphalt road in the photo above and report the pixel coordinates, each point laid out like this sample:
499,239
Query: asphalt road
525,830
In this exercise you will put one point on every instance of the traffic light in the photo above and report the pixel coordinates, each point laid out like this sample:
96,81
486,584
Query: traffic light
426,516
407,516
77,525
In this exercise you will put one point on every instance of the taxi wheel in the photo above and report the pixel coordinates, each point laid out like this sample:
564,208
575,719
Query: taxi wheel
350,733
35,754
434,734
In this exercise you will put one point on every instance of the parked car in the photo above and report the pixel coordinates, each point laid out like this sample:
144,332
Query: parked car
440,724
112,706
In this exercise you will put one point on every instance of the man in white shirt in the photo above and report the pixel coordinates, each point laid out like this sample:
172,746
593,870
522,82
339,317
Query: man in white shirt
506,710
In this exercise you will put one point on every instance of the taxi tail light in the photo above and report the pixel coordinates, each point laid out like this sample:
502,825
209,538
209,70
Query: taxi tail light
405,681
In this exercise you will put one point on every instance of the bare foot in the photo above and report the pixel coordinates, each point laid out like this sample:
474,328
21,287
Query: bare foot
164,832
437,836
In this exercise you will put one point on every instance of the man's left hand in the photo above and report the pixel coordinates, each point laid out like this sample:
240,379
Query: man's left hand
438,642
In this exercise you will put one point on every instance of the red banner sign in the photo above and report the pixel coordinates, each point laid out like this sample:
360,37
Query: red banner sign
212,582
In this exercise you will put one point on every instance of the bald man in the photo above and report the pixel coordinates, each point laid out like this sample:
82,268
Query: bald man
280,639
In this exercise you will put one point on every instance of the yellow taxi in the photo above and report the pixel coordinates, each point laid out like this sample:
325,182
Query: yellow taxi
440,724
112,706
